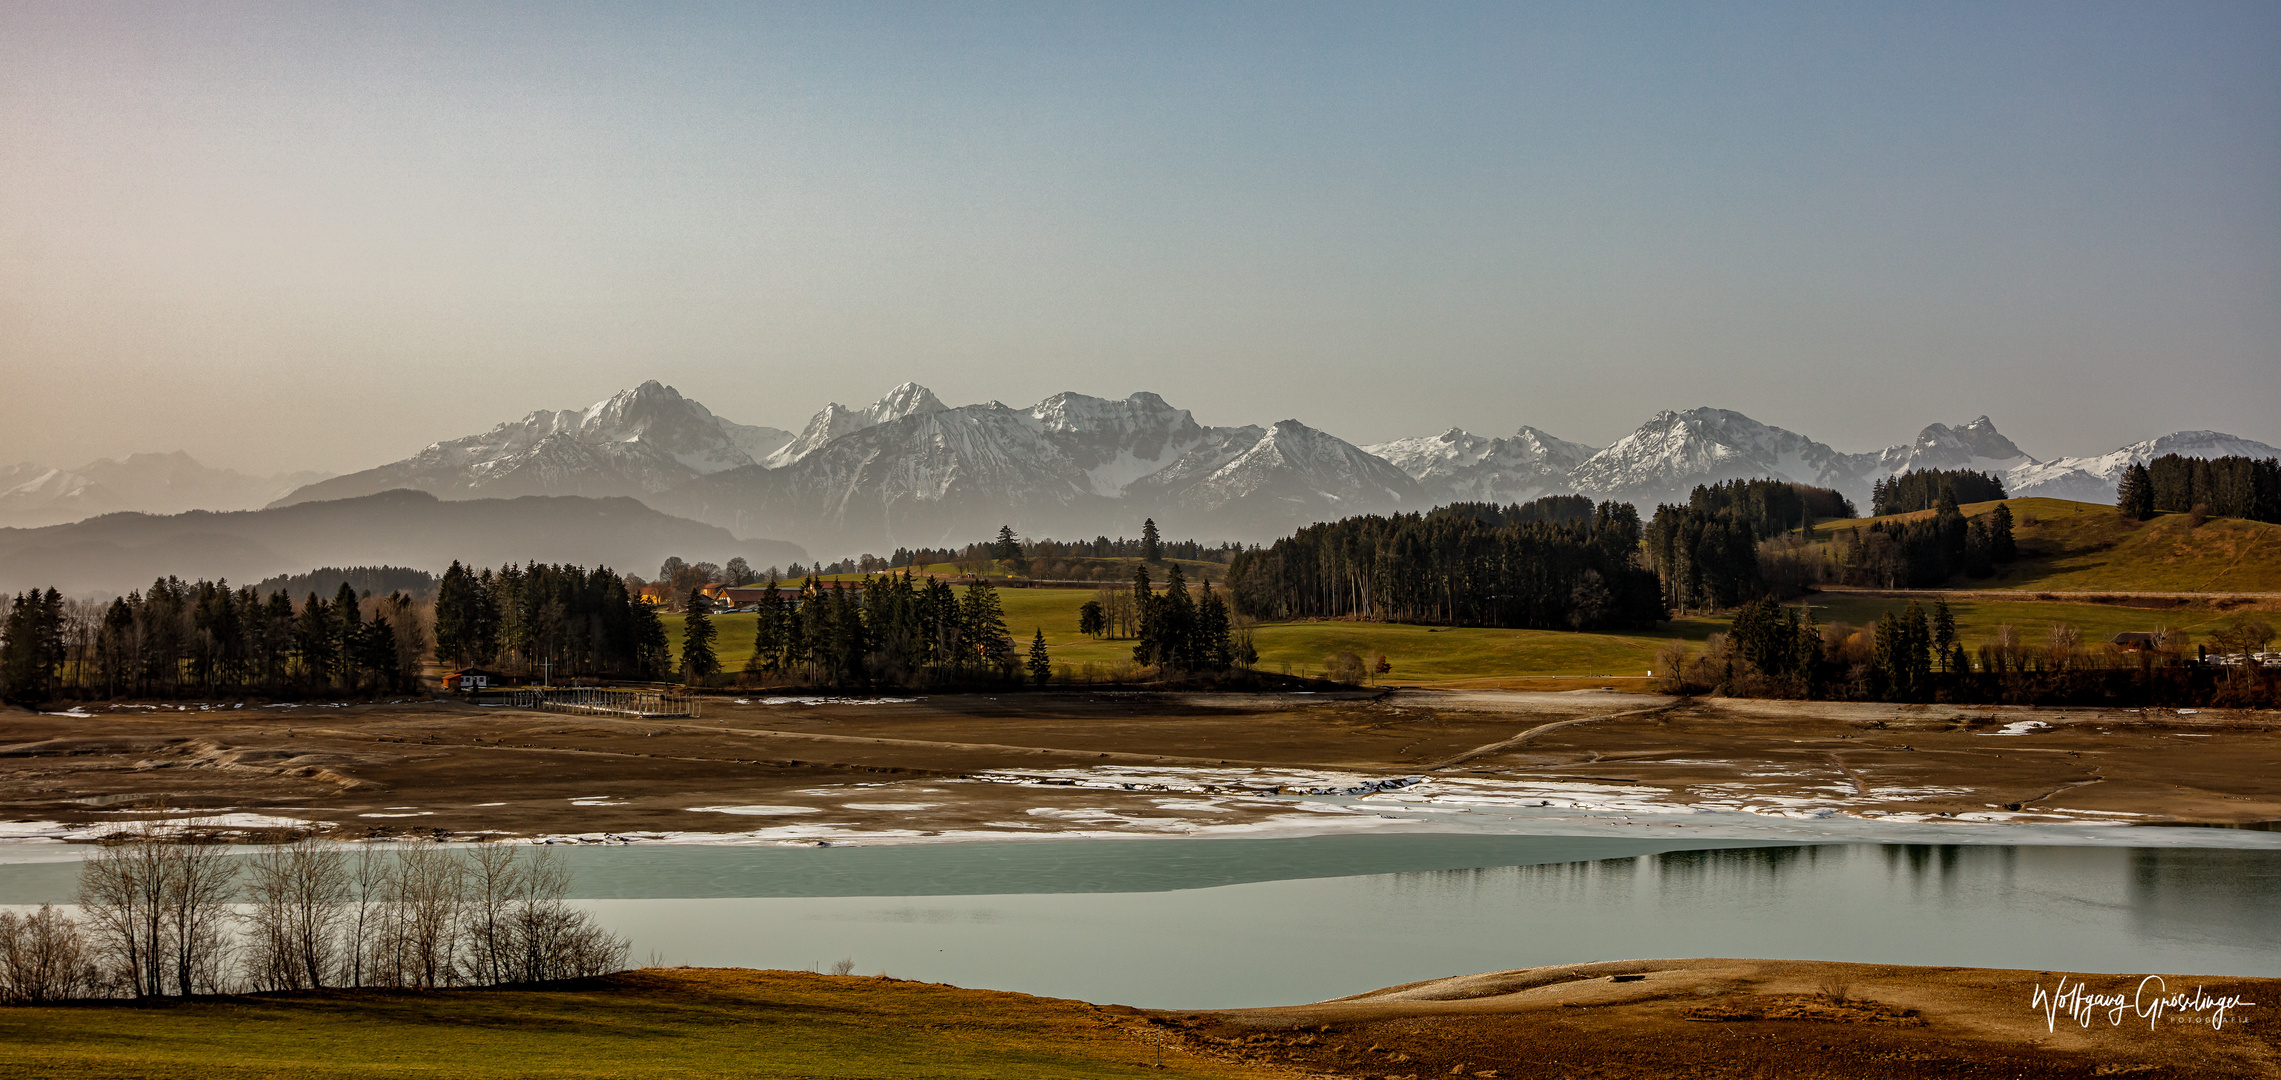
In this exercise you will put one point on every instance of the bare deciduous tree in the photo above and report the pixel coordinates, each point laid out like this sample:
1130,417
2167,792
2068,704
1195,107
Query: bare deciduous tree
200,881
298,900
43,957
423,917
159,921
123,894
364,921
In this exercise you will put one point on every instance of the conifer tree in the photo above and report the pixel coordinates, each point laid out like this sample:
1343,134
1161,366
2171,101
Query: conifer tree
348,633
1944,632
1152,547
458,616
313,640
1144,615
1041,664
697,660
1007,547
767,634
2134,495
1092,621
983,627
1215,647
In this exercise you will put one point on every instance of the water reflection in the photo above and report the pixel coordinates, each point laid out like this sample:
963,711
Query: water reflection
2209,895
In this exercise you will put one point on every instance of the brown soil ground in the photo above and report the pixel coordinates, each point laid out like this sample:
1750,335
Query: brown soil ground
1745,1019
431,767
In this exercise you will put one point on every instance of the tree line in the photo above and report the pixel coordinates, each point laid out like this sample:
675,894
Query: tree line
1149,546
207,638
2232,487
565,621
1917,654
1924,552
1919,489
376,580
1706,554
164,915
895,629
1174,631
1468,565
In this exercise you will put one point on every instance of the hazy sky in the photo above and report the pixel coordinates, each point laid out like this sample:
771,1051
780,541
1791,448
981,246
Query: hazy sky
296,235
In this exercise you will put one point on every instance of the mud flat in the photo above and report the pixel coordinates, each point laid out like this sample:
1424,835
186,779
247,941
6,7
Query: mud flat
853,770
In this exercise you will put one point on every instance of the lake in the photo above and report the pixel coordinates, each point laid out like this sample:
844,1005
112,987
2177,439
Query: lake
1195,923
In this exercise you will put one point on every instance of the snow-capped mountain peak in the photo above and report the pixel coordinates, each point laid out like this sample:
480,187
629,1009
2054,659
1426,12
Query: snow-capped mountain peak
1977,445
1675,451
2093,479
642,440
835,420
1459,466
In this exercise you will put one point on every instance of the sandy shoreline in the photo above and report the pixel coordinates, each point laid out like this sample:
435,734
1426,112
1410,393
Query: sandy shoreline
1758,1018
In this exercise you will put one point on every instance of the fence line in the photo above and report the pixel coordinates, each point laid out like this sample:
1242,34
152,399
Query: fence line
599,701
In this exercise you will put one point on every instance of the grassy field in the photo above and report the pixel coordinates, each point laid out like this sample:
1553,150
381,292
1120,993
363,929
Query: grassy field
1435,654
645,1024
2088,547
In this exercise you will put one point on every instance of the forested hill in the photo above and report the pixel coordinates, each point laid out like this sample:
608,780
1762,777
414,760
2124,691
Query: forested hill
119,552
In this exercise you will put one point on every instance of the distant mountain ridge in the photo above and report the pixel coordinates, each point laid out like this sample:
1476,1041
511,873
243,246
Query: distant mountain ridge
118,552
638,442
34,495
909,470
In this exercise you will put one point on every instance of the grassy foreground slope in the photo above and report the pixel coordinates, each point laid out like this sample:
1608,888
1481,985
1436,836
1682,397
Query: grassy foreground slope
2088,547
643,1024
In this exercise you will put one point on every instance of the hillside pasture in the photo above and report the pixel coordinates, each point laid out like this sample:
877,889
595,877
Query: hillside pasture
2088,547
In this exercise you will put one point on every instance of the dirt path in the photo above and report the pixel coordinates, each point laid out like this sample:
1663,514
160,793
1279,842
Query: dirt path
1526,737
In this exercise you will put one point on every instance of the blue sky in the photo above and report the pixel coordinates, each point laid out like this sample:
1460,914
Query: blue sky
377,225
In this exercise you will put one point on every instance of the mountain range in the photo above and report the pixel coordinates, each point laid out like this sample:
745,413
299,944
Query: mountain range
32,495
639,442
909,470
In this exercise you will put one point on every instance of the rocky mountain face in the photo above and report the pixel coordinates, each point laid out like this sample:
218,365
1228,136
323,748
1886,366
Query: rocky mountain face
641,441
35,495
1459,466
1069,465
1977,445
836,420
1675,451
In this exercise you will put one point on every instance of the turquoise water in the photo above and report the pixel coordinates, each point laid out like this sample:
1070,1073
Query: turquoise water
1209,923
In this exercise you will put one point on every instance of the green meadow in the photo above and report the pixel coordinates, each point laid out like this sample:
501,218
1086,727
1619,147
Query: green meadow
640,1025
